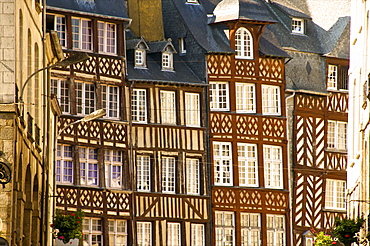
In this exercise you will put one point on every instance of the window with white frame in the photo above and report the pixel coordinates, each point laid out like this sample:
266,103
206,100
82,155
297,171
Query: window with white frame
336,137
219,96
89,166
60,28
182,46
197,235
110,100
144,233
192,1
92,231
117,232
168,108
275,230
82,34
143,172
173,234
332,76
243,43
335,193
113,168
298,26
250,229
247,164
85,98
64,164
245,98
192,109
270,100
107,37
60,88
138,106
167,61
273,165
222,158
168,174
140,60
192,176
225,228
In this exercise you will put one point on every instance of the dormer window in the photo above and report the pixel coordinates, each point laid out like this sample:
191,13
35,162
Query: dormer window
298,26
167,61
243,44
140,56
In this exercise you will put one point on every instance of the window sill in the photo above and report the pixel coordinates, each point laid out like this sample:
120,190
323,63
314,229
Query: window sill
334,210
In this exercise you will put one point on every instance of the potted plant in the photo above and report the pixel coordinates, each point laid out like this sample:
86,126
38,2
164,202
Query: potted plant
322,239
345,230
67,226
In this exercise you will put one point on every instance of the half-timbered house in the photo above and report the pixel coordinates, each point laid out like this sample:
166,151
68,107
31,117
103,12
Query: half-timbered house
92,168
247,123
317,105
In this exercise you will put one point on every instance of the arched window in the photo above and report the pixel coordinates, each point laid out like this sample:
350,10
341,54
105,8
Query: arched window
243,43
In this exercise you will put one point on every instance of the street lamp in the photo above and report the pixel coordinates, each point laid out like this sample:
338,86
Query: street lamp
73,59
94,115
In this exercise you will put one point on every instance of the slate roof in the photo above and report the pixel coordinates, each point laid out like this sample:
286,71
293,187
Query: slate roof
153,72
228,10
112,8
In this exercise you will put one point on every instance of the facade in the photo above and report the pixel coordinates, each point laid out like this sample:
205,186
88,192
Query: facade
25,111
358,124
317,108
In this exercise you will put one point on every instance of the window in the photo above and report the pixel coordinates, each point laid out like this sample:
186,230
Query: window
192,1
192,176
337,77
219,96
140,58
197,235
251,229
332,76
168,174
64,164
58,24
225,226
138,106
243,43
270,100
248,165
117,232
107,37
85,98
143,173
113,168
92,231
110,100
81,34
168,111
245,98
297,26
167,62
89,166
192,109
337,131
60,88
335,193
144,233
182,45
222,157
275,230
273,166
173,234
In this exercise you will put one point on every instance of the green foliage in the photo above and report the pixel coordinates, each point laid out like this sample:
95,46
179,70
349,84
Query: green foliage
323,240
345,230
67,226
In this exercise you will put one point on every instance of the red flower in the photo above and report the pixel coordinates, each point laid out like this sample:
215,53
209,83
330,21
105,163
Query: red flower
61,237
79,218
347,235
51,225
334,242
78,222
73,214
